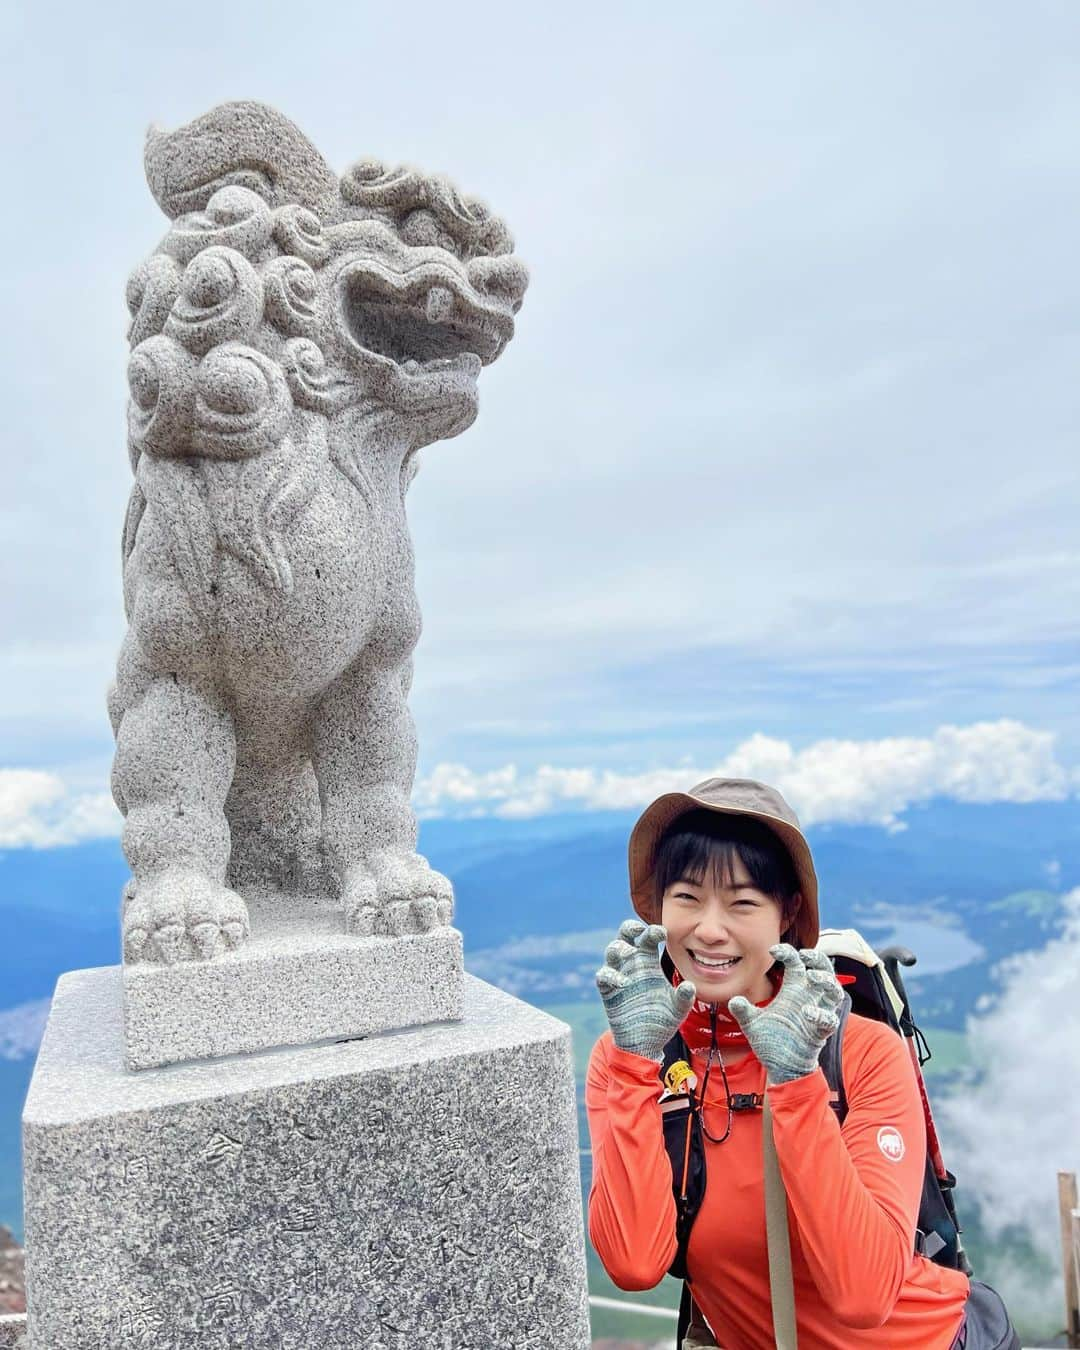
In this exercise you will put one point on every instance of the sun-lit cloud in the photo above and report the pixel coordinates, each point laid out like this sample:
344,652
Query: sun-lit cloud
38,809
829,781
871,782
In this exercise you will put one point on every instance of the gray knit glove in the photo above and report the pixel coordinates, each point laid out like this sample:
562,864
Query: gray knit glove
643,1009
788,1034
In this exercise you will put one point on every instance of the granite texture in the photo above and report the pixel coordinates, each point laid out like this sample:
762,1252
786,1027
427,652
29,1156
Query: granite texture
13,1331
12,1274
298,980
415,1191
296,337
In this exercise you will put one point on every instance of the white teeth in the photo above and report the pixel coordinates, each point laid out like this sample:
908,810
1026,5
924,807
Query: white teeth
716,965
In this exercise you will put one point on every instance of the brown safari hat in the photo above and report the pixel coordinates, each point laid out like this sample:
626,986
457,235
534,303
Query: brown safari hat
731,797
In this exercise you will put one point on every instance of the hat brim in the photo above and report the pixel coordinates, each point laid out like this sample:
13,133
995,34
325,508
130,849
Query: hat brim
646,835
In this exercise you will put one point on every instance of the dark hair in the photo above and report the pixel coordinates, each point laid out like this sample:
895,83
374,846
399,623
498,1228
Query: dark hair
700,844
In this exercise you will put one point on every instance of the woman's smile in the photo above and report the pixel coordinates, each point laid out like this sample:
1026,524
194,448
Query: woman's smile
718,965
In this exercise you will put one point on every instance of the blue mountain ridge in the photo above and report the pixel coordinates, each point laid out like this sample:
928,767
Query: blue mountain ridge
567,874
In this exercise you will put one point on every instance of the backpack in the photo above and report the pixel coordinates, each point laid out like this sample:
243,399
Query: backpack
873,989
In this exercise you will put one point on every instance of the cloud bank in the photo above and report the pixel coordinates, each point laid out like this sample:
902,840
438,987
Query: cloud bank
1008,1136
830,781
868,782
39,810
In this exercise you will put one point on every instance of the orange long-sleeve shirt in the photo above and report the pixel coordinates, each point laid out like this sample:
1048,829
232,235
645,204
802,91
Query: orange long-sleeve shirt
853,1199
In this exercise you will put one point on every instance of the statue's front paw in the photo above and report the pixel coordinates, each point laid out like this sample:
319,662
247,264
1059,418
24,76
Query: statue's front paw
397,893
182,916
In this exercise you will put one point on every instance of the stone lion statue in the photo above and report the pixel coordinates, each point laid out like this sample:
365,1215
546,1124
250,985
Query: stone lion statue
296,338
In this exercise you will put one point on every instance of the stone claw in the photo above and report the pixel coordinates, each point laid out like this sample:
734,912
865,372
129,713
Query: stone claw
393,919
170,944
234,935
134,942
208,940
393,894
361,922
182,916
425,913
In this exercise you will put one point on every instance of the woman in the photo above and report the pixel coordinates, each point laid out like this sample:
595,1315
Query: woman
723,877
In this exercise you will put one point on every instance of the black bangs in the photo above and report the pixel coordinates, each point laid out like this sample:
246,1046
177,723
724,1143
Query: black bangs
704,844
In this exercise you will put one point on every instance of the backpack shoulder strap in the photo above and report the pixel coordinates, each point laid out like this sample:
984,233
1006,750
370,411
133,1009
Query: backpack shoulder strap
832,1063
675,1050
686,1153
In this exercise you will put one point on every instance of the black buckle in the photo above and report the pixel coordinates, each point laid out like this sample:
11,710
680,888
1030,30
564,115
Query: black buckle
747,1101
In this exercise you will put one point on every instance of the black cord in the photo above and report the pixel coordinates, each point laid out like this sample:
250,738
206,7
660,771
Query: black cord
715,1049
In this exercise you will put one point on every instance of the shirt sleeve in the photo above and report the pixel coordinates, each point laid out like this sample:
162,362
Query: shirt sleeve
854,1192
631,1207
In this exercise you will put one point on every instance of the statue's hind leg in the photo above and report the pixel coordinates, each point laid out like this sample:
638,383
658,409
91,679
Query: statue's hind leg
174,763
364,751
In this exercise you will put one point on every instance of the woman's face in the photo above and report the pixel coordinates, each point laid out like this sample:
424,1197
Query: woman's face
734,924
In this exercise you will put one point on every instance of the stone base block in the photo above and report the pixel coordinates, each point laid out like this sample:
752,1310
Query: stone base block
417,1190
299,979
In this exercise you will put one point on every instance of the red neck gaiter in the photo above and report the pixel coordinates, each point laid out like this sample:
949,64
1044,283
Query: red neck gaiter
697,1028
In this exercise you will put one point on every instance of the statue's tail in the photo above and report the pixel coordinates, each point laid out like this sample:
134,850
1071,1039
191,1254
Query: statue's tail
243,142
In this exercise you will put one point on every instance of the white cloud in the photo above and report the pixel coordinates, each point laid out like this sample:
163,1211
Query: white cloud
38,809
1009,1134
829,781
21,1029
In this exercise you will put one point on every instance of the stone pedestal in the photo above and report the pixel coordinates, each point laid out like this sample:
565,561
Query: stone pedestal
299,978
417,1190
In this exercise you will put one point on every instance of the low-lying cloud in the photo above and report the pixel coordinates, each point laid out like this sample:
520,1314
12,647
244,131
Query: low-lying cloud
870,782
1009,1134
829,781
38,809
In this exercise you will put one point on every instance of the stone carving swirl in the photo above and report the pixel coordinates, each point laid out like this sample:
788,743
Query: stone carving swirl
242,403
296,339
151,293
313,383
430,208
291,289
161,379
235,217
299,233
220,300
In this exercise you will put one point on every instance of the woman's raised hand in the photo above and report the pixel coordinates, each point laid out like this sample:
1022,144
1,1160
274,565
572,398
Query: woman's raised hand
787,1034
643,1009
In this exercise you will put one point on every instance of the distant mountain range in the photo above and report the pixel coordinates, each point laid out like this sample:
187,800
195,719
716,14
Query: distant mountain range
962,885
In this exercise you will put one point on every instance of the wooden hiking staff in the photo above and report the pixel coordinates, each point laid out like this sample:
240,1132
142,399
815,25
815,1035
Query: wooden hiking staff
1070,1253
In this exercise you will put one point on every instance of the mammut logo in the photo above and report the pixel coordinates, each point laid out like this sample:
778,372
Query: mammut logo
891,1142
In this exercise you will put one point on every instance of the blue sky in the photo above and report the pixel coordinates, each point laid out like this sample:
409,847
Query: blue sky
783,452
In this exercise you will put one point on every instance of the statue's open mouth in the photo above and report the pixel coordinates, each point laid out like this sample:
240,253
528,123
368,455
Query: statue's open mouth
422,320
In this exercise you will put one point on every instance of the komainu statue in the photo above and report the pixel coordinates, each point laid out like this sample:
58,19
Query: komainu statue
295,339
